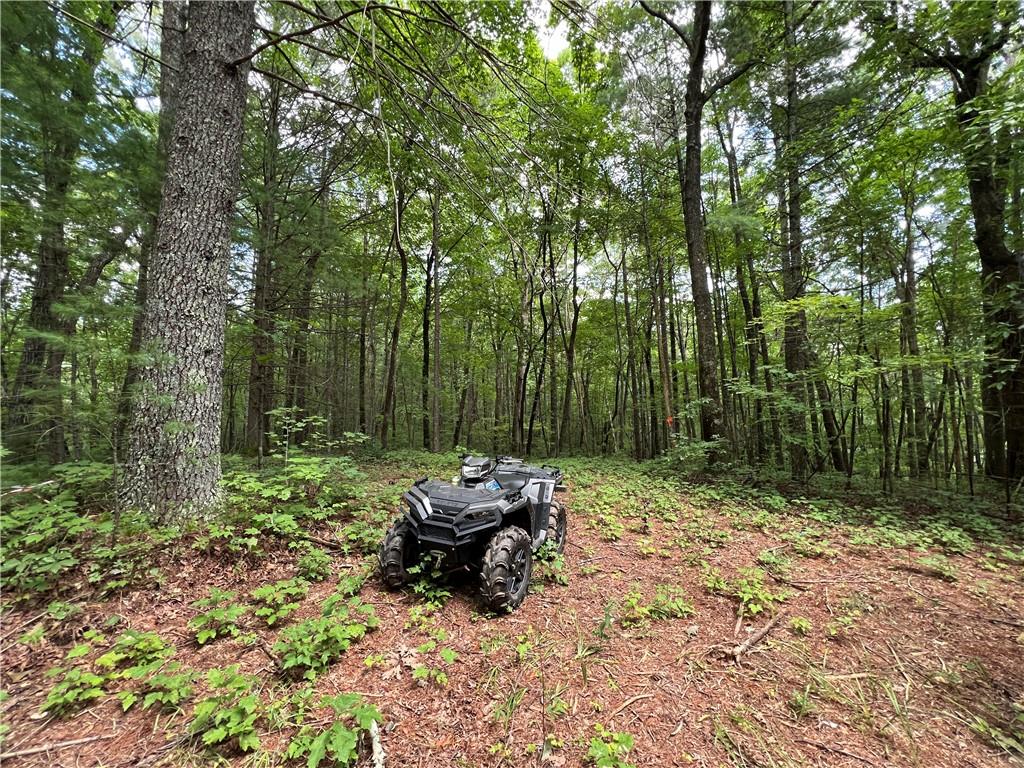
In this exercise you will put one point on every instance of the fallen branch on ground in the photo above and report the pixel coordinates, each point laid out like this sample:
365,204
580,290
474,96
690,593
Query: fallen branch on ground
735,652
53,746
378,748
631,700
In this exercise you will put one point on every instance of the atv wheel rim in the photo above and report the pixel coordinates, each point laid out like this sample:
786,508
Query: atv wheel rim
518,571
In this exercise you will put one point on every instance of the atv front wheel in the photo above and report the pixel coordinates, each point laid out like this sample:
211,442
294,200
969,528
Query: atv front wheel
396,554
557,526
505,575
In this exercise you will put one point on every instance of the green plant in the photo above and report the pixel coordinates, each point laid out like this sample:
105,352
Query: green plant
220,535
221,619
231,710
360,536
424,673
76,688
940,566
137,652
773,562
312,645
315,564
508,705
670,602
339,741
748,588
279,600
609,749
800,703
60,611
549,564
800,625
167,689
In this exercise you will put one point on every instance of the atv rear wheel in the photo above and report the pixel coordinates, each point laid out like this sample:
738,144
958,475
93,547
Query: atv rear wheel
397,553
557,526
506,568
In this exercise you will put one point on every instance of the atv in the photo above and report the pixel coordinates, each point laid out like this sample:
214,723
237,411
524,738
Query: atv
491,519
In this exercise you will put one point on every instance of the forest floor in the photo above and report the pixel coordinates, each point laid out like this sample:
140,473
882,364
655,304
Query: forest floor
895,638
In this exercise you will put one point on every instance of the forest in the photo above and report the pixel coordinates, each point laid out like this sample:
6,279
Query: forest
750,273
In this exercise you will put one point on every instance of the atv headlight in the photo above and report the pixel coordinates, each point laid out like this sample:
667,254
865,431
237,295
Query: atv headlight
471,472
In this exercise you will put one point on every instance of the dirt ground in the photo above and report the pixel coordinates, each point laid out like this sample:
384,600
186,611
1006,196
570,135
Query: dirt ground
876,655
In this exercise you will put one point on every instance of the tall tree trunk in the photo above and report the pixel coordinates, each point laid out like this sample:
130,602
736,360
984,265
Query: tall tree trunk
435,401
261,364
387,415
173,21
792,269
173,466
428,313
631,361
689,172
34,414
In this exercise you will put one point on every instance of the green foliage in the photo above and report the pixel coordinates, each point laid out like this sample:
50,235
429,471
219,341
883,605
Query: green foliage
229,713
339,741
305,485
670,602
549,564
425,673
278,600
800,625
315,564
748,589
76,688
314,644
167,689
40,543
135,653
221,619
609,749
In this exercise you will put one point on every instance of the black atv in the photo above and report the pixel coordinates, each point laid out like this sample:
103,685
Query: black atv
491,518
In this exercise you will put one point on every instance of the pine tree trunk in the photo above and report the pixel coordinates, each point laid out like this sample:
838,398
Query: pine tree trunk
173,21
173,466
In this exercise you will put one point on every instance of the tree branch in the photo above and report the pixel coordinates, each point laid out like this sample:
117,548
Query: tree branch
675,27
302,32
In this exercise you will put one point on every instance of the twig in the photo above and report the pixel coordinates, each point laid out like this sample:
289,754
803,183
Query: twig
22,626
53,746
25,488
631,700
755,638
836,750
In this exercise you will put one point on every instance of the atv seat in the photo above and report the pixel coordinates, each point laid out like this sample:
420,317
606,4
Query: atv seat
511,480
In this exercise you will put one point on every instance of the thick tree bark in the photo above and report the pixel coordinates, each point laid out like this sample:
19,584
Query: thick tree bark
173,21
173,466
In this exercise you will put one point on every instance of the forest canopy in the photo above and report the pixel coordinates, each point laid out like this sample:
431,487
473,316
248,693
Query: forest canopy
786,235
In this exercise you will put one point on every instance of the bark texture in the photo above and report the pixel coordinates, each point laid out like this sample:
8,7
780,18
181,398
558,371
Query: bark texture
173,466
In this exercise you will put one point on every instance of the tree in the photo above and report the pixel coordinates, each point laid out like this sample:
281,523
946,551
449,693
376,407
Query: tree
963,41
173,464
